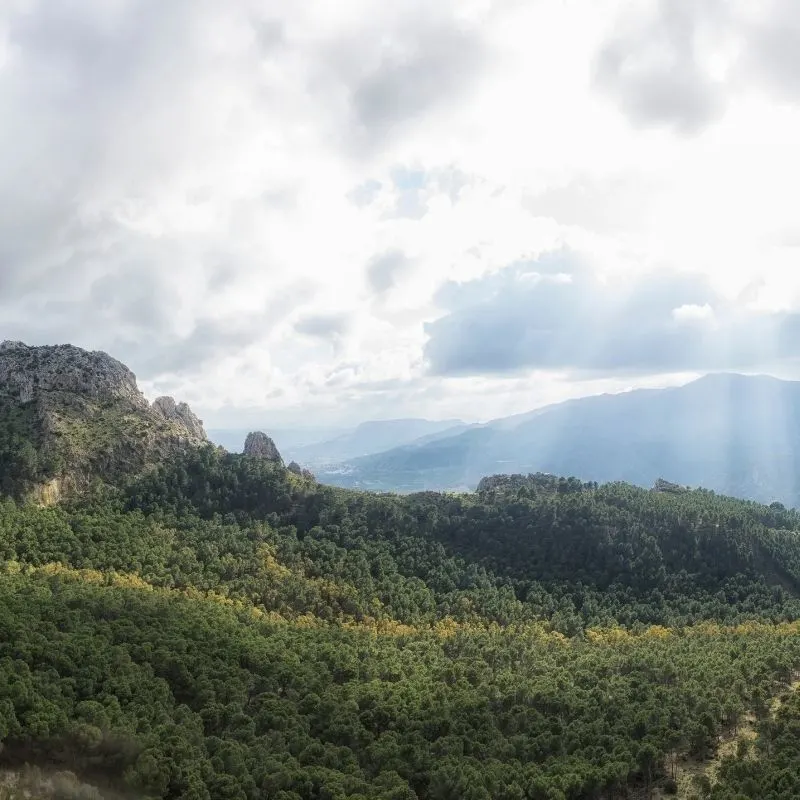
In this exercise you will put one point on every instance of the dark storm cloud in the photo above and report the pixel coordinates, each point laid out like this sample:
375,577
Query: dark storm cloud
657,64
559,316
384,269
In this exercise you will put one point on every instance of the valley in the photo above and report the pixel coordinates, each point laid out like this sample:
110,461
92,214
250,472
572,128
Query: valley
746,448
194,623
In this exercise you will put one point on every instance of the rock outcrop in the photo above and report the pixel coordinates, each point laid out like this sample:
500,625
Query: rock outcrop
26,372
667,487
180,413
259,445
303,473
70,418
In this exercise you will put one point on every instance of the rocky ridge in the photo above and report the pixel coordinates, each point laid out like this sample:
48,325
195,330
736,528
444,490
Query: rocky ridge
180,413
295,468
69,417
27,371
259,445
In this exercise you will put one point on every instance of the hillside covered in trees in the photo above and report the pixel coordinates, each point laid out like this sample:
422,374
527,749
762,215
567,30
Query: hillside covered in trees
181,622
223,627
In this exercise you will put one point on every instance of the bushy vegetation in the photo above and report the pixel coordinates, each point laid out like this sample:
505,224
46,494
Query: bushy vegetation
225,628
19,456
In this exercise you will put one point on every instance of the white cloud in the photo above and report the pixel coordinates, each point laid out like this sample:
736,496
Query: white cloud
256,204
691,312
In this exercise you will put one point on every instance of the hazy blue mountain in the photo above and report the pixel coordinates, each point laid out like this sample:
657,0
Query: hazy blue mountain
371,437
319,446
731,433
286,439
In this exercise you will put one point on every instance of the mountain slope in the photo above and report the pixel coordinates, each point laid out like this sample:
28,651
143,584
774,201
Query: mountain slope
220,627
224,629
288,440
69,417
371,437
734,434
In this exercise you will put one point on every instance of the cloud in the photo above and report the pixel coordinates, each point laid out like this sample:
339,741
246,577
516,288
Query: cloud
679,63
322,326
616,203
208,341
385,268
365,193
162,168
773,56
411,189
655,71
693,313
415,188
394,74
261,204
558,315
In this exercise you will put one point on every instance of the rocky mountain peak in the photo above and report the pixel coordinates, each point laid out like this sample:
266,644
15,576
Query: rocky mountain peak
259,445
69,417
181,413
27,372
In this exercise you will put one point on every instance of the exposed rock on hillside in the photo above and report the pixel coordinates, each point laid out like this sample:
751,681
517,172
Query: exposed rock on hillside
662,485
180,413
259,445
27,372
69,417
298,470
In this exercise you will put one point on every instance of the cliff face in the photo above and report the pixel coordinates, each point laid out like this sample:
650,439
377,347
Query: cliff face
259,445
27,373
69,417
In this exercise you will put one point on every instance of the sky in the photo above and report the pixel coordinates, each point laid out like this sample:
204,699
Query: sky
320,213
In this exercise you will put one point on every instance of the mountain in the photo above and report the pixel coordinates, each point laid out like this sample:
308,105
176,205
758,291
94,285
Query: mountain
371,437
734,434
218,626
69,417
315,446
221,629
288,440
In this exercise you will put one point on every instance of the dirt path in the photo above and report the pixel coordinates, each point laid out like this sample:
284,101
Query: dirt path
691,773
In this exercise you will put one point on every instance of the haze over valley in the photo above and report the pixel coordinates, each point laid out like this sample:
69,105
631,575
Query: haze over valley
748,447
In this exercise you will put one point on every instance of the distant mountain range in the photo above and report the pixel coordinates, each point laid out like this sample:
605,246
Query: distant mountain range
288,440
327,447
734,434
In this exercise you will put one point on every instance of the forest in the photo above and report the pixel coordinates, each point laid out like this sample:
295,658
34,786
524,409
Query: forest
222,627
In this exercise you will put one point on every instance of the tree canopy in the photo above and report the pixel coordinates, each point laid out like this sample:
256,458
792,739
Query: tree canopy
227,628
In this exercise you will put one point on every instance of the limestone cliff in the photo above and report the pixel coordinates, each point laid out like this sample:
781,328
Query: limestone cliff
29,372
181,414
259,445
69,418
